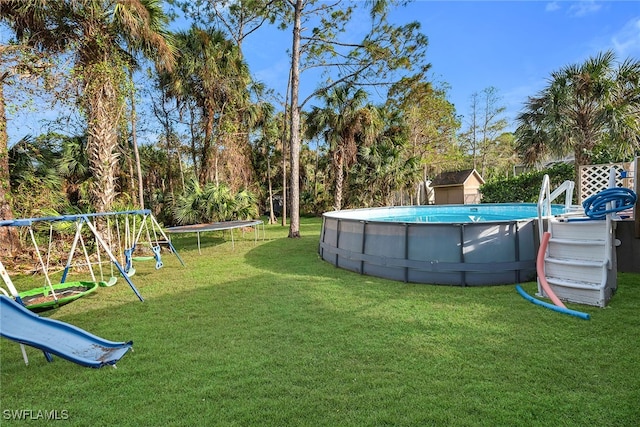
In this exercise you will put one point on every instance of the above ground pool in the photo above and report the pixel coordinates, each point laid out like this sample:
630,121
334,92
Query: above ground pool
466,245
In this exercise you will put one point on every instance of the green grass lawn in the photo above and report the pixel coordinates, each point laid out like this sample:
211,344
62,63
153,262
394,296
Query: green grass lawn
268,334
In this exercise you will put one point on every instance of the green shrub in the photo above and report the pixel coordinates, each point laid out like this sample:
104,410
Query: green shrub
525,187
213,203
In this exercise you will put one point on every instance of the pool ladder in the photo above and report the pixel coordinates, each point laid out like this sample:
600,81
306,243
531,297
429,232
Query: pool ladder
580,260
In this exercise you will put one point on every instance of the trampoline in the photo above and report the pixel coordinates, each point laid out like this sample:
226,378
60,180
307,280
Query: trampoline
219,226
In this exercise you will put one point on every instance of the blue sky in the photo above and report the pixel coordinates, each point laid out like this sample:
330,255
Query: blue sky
511,45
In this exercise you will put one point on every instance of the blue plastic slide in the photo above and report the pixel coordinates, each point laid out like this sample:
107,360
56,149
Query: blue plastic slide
55,337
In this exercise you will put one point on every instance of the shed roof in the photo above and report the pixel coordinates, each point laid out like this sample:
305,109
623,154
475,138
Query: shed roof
446,179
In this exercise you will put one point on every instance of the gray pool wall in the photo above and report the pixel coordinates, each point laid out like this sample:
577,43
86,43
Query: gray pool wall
463,254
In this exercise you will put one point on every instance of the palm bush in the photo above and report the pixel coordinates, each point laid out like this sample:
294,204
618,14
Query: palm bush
35,180
246,205
213,202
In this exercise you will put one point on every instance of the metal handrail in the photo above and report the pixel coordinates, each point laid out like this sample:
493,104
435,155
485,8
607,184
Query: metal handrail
546,198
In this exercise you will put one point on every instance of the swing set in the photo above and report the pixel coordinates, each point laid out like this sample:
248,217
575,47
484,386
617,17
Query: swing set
114,236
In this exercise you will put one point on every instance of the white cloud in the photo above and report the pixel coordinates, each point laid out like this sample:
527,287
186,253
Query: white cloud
552,7
626,42
584,7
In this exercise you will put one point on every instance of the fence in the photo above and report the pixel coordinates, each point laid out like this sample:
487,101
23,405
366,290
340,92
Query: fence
595,178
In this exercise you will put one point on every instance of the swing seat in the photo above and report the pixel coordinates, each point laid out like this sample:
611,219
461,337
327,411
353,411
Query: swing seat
143,258
157,257
131,272
41,299
112,281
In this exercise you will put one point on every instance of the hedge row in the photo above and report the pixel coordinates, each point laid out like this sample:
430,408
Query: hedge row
525,187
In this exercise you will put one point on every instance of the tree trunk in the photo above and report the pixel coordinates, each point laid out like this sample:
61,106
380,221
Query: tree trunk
8,235
284,154
315,174
126,151
215,167
134,142
339,181
208,160
168,137
192,127
181,169
103,113
284,182
294,186
272,217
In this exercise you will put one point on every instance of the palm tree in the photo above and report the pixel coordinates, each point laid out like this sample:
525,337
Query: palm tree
212,74
154,163
344,122
99,33
73,166
203,204
264,148
7,234
582,107
386,167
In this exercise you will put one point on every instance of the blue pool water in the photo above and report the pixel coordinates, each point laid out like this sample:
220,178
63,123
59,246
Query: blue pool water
449,213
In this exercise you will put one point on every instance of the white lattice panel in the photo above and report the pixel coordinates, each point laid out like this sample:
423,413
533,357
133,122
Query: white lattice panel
595,178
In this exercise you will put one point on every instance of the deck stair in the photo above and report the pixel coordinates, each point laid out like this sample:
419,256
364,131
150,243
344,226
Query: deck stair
580,263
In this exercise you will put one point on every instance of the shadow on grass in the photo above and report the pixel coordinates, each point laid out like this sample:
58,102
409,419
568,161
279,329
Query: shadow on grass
277,336
299,259
290,256
294,342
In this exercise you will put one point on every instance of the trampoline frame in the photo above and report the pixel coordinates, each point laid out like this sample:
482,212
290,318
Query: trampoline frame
220,226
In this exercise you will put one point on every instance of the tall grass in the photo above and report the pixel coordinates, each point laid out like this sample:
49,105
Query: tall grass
269,334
